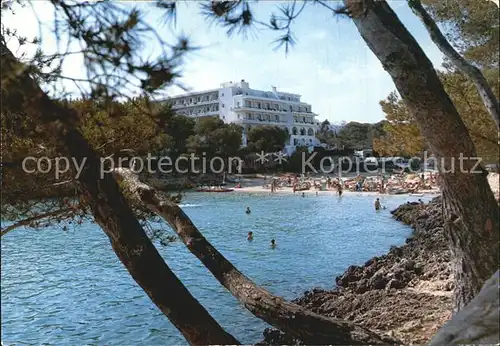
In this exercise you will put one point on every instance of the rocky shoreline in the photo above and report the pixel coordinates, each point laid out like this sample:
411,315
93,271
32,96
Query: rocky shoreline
405,294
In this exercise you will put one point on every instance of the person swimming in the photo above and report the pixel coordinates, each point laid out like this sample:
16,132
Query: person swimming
250,236
377,204
273,243
248,211
303,194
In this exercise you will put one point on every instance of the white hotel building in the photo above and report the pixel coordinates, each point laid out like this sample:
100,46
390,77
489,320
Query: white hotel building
235,102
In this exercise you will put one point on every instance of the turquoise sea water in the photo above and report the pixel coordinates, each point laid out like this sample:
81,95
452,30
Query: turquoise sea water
69,288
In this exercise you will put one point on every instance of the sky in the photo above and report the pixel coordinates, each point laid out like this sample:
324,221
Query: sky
330,66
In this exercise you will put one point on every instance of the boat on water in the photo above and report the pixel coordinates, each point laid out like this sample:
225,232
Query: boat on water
213,189
417,194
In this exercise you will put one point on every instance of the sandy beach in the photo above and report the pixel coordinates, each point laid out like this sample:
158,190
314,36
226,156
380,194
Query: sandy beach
289,190
256,185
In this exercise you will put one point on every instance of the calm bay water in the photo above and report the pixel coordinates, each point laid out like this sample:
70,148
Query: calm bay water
69,288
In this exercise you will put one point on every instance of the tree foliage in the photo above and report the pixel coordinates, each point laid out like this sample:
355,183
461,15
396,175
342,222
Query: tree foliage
108,36
358,136
471,26
480,124
327,135
484,89
114,129
179,128
402,135
267,138
213,137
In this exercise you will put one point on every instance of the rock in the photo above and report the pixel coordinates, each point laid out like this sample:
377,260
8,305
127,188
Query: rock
352,274
409,264
449,286
362,286
419,268
396,251
369,262
378,281
393,283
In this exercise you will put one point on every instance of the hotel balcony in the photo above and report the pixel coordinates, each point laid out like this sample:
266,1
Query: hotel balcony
271,97
305,113
251,121
192,104
275,111
303,122
253,109
200,113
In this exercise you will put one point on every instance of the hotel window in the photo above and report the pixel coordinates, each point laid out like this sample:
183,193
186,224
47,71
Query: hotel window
294,131
310,132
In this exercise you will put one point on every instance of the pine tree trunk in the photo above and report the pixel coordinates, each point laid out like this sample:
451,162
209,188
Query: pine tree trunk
112,212
288,317
471,211
485,92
